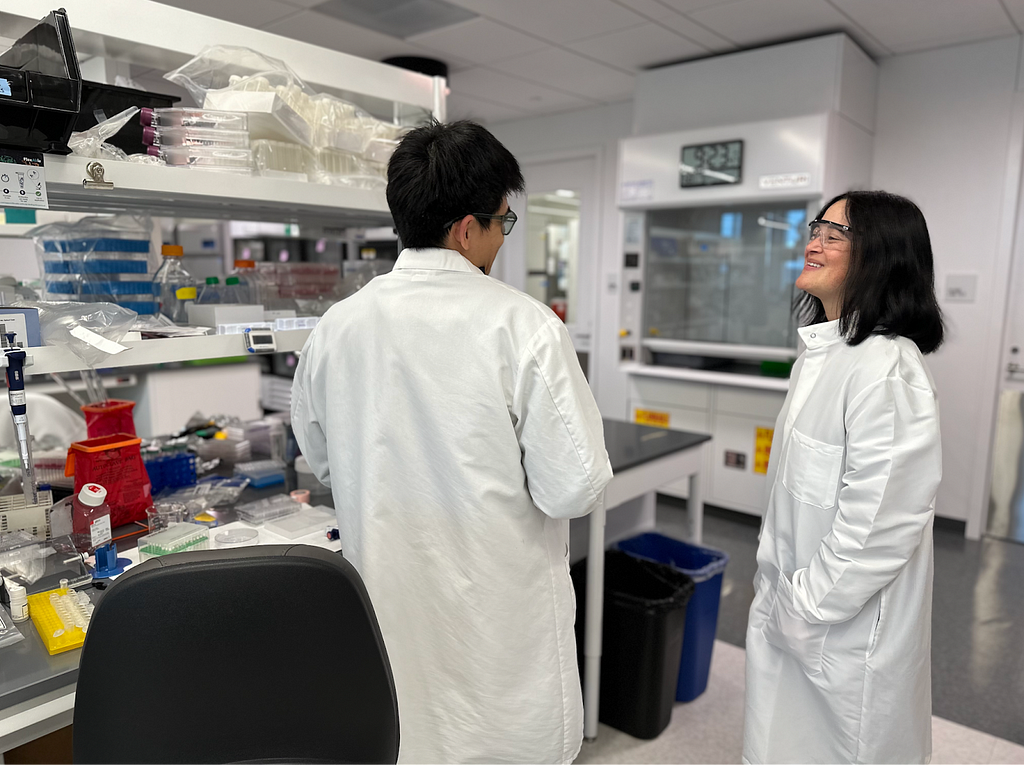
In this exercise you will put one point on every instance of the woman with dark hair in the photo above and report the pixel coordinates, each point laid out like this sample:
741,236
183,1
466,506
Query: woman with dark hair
839,636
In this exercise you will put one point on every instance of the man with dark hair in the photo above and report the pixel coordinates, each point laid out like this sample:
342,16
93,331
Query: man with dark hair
449,415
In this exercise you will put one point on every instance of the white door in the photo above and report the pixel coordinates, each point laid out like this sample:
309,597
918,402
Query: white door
552,253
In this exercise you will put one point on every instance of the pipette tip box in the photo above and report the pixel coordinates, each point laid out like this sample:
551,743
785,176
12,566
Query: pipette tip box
182,537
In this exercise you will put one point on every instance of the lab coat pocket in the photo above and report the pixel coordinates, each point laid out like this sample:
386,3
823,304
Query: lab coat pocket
812,469
789,632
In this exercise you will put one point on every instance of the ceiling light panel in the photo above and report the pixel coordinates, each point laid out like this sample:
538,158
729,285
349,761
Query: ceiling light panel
398,18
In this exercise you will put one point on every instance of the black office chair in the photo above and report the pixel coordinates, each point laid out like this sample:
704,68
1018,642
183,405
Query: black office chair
268,653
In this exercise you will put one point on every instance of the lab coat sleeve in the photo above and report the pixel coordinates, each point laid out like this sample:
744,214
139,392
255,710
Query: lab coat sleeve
559,427
309,433
893,469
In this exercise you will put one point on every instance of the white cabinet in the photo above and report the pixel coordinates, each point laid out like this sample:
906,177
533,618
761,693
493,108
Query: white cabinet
732,415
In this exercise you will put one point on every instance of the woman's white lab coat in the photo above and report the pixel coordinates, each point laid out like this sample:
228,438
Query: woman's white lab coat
449,415
839,637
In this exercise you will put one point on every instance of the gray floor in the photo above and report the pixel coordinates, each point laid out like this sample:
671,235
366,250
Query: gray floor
977,626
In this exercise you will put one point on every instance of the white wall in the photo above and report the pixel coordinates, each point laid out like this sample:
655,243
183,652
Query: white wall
599,128
948,134
945,137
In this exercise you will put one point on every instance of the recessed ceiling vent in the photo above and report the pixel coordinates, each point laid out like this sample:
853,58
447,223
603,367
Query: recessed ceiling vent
398,18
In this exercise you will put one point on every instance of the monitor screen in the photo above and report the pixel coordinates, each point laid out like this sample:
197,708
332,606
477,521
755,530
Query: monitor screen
5,87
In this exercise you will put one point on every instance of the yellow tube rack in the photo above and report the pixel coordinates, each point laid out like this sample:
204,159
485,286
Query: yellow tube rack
47,622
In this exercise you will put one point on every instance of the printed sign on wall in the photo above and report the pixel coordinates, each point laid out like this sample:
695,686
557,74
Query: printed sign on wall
762,449
650,417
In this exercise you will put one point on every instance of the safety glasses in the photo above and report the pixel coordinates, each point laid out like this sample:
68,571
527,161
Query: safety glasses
508,220
833,236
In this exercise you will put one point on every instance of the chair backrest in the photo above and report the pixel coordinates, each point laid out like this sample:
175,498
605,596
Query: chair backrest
268,653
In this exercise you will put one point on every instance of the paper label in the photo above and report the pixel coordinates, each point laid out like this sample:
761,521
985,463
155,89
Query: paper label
22,180
762,449
16,397
652,418
99,531
784,181
636,191
96,341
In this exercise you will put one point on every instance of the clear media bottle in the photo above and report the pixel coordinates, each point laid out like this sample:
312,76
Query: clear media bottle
177,288
90,518
211,291
234,291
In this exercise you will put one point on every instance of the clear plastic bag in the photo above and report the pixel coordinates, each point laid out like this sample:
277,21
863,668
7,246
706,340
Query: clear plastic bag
92,142
92,331
222,66
98,259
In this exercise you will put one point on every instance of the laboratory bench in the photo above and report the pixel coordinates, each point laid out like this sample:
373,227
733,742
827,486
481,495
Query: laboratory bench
37,691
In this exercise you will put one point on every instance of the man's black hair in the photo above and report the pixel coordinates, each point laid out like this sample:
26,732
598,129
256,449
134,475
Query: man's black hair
442,172
890,283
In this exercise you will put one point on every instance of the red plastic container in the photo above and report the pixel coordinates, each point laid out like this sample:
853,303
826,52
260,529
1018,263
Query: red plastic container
114,462
109,417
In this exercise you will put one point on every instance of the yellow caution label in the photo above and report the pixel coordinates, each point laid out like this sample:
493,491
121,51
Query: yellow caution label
185,293
762,449
650,417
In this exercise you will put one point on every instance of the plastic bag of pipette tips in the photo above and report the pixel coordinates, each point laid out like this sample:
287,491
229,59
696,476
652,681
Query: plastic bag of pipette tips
9,632
92,142
92,331
98,260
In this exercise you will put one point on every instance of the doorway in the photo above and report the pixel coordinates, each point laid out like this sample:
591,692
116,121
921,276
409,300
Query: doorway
552,254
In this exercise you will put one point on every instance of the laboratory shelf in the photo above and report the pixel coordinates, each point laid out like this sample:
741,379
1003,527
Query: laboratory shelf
179,192
169,36
49,359
707,376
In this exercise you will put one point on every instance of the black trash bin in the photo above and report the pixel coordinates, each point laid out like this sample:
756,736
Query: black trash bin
644,619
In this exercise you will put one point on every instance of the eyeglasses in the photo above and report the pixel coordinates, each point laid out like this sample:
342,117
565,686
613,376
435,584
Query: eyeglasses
833,236
508,220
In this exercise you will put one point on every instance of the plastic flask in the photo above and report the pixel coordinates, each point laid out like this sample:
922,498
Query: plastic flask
176,286
90,518
211,291
249,283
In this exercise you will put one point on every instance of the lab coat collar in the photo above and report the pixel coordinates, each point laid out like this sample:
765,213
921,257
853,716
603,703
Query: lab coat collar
820,335
434,259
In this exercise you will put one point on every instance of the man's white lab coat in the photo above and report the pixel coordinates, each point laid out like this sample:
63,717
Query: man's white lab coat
449,415
839,637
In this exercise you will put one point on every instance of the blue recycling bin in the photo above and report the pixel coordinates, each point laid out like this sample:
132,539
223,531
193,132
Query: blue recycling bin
706,567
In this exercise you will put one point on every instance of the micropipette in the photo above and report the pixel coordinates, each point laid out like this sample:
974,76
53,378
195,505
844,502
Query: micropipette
15,372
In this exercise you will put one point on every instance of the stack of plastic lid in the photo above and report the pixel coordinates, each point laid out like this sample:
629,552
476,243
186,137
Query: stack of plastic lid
269,509
261,473
300,280
199,139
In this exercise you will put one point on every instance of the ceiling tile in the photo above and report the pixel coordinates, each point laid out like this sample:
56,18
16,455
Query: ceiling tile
500,88
479,110
315,28
560,21
699,34
752,22
252,13
1016,9
920,24
685,6
303,3
570,72
480,40
639,47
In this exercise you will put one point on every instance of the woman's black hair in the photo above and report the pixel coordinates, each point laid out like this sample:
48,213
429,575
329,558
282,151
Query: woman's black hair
890,283
440,172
